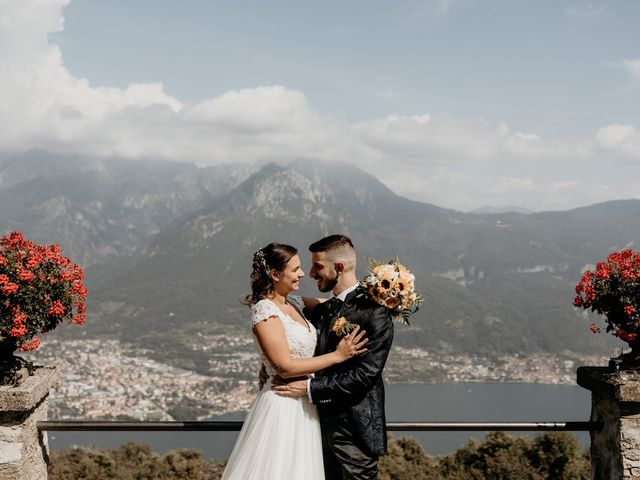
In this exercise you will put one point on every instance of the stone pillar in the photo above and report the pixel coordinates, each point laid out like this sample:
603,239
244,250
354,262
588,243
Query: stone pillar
615,401
24,452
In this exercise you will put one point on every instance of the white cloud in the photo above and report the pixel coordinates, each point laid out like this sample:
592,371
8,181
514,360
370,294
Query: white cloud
42,104
430,138
261,109
624,139
45,105
465,191
530,145
441,139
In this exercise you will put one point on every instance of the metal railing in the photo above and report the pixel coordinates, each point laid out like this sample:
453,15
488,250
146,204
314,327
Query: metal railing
232,426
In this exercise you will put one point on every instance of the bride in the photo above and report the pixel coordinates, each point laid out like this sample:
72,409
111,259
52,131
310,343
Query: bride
280,439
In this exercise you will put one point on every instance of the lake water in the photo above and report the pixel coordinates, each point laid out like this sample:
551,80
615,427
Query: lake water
490,402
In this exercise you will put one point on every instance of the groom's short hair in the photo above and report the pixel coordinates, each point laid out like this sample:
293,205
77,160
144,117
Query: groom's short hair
332,242
337,247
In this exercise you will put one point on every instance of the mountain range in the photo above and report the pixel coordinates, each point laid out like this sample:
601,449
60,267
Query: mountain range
168,249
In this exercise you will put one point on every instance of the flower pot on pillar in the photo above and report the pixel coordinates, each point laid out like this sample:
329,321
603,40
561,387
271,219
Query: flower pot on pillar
612,289
39,289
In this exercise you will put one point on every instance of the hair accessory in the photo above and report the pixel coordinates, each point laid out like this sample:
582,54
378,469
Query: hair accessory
258,257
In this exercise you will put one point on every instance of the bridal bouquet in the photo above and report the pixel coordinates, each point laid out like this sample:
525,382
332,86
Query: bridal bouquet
393,286
613,290
39,288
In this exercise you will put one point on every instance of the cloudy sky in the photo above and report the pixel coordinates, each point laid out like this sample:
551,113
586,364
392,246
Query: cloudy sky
461,103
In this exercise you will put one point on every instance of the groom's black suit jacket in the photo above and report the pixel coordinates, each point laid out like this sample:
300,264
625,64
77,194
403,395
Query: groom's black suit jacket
354,389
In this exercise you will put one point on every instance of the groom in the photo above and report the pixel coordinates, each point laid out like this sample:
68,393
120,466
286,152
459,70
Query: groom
349,396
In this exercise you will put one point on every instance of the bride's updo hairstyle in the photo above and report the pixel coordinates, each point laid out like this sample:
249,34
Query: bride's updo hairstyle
272,258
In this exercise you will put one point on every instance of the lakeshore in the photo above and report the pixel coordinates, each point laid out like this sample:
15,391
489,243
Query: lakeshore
106,379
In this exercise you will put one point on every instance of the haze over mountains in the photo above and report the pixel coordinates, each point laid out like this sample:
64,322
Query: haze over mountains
168,247
505,209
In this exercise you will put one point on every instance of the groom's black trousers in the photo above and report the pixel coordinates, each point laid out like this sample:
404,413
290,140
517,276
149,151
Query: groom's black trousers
343,457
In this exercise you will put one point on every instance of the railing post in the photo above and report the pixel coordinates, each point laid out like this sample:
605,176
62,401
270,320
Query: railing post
24,451
615,401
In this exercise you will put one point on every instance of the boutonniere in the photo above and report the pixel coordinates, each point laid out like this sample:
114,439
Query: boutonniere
343,327
392,286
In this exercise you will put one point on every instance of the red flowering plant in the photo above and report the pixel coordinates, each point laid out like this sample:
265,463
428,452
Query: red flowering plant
39,289
613,290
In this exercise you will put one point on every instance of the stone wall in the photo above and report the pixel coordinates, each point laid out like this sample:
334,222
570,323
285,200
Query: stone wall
23,450
615,401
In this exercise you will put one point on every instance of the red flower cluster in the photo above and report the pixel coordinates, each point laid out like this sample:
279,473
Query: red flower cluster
39,288
613,290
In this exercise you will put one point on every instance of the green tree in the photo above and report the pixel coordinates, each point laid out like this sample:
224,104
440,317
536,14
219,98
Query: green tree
132,462
499,457
551,456
407,459
557,455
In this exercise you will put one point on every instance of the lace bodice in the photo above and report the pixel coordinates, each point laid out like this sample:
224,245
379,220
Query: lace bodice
301,339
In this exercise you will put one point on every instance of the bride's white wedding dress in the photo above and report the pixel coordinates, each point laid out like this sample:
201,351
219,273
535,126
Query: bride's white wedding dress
280,439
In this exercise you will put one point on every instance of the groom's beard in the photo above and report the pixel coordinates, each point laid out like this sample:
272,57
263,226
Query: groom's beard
327,284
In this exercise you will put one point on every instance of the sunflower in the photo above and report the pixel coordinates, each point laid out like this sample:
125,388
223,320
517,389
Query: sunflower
375,293
404,283
387,277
